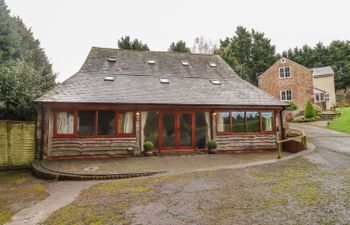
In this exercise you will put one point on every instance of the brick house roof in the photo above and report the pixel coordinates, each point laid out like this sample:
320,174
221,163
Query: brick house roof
136,80
322,71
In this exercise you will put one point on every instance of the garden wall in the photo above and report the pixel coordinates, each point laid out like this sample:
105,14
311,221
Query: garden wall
17,144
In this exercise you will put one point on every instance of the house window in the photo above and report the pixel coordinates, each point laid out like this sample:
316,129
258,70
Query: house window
320,97
224,122
244,122
238,122
284,72
125,123
286,95
253,121
106,122
267,121
65,123
86,122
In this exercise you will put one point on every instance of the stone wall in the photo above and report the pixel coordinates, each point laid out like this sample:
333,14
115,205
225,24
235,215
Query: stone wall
300,82
246,142
92,146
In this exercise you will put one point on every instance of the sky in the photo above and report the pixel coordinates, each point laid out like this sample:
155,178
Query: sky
67,29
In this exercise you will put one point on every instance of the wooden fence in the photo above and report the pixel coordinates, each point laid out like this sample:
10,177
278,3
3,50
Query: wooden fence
17,144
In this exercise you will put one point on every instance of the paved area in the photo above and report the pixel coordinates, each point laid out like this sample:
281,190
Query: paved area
170,164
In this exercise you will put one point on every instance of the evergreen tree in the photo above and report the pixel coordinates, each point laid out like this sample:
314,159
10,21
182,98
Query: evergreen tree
126,44
248,53
179,46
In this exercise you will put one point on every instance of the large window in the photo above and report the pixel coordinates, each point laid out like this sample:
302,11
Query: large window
244,122
65,123
284,72
266,118
253,121
224,122
202,126
94,123
149,127
286,95
86,122
238,121
106,122
125,123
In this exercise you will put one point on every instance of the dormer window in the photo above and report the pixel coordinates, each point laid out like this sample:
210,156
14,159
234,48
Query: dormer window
212,64
185,63
284,72
164,81
112,59
109,78
151,61
215,82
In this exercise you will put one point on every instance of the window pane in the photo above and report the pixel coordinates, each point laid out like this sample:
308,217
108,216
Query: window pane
86,122
253,121
202,129
168,131
287,72
267,121
125,123
223,122
65,123
282,72
238,122
289,95
106,123
150,119
185,120
283,93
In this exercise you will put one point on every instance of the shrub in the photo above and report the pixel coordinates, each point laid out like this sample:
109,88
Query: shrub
292,106
212,144
301,119
148,146
309,110
317,108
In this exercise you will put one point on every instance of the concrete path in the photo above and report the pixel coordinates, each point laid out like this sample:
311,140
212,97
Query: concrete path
332,147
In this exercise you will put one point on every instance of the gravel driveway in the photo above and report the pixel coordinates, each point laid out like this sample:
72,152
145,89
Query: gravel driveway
313,189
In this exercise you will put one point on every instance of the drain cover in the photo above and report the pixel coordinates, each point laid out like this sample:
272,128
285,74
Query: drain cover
91,168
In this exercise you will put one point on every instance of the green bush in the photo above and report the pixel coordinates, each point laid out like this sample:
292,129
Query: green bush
301,119
292,106
212,144
148,146
317,108
309,110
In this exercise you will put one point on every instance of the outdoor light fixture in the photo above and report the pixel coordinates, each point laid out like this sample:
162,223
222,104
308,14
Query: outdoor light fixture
137,115
214,113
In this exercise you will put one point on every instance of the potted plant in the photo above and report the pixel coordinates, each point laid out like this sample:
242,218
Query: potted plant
212,147
148,147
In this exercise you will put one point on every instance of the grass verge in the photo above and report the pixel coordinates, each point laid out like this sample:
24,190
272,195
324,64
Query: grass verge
342,123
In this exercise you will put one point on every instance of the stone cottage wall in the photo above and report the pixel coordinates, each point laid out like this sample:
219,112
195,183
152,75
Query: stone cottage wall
241,142
300,83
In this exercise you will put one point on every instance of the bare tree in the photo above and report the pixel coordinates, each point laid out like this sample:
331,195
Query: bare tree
202,45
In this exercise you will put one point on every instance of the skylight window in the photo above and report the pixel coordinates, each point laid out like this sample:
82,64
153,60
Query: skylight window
112,59
109,78
185,63
164,80
212,64
151,61
215,82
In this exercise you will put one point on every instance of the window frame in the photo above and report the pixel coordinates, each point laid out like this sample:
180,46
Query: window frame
95,135
286,95
231,132
284,72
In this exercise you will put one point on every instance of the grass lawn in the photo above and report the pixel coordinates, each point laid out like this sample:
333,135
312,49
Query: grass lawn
343,122
18,190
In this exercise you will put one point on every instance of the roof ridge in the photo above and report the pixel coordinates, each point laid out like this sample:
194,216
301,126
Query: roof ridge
166,52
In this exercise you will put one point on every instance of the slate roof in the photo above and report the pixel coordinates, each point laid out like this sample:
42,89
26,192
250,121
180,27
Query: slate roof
137,82
322,71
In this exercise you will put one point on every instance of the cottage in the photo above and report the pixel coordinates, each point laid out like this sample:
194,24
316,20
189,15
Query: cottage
290,81
179,101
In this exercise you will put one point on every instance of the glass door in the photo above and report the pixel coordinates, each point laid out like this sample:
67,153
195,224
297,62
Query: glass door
185,130
168,130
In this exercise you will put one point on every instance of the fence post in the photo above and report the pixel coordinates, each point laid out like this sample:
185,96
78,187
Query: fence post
278,150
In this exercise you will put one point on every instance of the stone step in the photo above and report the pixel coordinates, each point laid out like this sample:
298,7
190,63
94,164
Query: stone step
48,174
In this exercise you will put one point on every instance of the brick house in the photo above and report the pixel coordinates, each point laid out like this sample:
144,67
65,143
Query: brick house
290,81
120,98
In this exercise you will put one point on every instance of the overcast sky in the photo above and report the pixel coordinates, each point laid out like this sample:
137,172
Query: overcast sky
67,29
